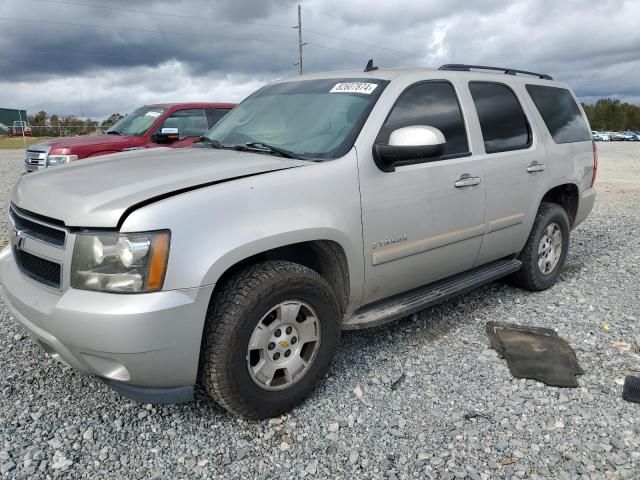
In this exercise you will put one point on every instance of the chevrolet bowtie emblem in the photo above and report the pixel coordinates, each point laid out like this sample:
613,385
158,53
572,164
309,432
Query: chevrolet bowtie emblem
17,239
284,343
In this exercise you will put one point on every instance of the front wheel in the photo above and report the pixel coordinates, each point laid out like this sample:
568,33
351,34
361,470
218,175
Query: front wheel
546,249
271,333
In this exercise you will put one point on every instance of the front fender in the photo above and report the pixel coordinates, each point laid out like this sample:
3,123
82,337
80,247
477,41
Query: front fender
244,251
100,153
215,227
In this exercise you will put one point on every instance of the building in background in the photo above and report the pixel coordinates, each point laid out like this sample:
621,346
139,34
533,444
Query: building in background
8,116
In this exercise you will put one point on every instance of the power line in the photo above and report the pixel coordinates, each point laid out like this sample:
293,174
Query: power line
80,25
192,17
341,50
146,57
360,43
190,34
162,14
101,55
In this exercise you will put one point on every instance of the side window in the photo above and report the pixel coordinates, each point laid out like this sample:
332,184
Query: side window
503,123
560,113
214,115
191,122
433,104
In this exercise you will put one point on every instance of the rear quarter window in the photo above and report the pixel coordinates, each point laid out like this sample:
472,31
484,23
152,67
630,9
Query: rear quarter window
560,113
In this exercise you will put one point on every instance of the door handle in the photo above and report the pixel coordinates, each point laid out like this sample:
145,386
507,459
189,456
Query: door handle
535,167
466,180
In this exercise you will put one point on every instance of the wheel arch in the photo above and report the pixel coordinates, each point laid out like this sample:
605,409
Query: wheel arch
567,195
326,257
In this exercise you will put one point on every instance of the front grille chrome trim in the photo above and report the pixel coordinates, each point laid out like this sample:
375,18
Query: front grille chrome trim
16,216
36,157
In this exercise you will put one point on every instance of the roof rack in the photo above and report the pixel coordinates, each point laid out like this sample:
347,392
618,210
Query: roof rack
460,67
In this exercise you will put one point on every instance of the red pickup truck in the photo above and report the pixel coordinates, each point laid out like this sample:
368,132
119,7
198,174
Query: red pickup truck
162,125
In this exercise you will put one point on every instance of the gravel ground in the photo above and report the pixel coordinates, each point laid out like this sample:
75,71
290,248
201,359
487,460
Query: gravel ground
423,398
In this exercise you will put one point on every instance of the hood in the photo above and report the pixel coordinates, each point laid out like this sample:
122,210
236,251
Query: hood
97,192
85,140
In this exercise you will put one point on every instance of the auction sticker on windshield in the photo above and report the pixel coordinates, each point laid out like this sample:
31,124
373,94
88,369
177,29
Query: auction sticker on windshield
354,87
152,114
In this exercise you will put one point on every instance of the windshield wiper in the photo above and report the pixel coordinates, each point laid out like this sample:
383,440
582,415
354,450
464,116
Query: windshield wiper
113,132
209,141
265,147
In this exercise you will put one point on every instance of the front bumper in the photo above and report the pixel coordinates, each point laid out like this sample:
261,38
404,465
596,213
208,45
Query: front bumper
32,168
141,341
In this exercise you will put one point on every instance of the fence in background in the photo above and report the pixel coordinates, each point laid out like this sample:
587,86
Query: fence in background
62,130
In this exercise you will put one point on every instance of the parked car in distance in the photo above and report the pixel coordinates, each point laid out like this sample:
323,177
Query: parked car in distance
617,136
162,125
19,128
632,136
599,136
325,202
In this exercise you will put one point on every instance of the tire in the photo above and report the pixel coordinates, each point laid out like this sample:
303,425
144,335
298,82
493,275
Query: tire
530,276
242,307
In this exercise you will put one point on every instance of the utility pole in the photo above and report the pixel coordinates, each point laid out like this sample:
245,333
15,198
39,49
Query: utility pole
300,43
23,125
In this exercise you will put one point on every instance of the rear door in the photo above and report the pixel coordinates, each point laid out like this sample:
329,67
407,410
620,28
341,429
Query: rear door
421,223
515,170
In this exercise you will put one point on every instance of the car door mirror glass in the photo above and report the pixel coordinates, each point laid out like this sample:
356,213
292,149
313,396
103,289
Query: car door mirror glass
414,142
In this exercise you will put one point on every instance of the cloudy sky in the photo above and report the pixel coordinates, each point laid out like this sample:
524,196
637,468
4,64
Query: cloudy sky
115,55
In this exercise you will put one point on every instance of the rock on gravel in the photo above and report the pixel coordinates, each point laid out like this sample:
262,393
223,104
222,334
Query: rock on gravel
457,413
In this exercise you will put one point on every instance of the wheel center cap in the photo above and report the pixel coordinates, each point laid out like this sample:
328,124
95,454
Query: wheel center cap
283,344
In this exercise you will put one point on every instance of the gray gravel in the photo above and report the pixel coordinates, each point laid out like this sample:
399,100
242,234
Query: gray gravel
423,398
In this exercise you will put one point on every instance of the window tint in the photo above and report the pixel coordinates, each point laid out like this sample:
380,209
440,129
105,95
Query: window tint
433,104
560,113
214,115
502,121
190,123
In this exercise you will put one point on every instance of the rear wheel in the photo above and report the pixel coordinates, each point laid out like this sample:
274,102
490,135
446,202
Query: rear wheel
270,336
546,249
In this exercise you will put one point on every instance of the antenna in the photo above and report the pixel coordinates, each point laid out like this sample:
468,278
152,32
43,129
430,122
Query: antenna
370,66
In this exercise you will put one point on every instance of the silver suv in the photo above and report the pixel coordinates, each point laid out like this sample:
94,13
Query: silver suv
325,202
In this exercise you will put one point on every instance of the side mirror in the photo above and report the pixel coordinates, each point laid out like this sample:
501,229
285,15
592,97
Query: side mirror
408,144
167,135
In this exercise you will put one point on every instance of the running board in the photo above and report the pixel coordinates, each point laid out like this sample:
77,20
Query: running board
399,306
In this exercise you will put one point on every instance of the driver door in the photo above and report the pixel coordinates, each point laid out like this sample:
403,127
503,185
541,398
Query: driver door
191,124
421,223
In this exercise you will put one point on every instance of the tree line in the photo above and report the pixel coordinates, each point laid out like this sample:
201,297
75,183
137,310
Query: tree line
43,125
612,115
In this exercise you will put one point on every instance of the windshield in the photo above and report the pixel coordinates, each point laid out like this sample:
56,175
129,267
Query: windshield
310,118
137,122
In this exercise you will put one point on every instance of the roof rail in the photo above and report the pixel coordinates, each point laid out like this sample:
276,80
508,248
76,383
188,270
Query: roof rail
460,67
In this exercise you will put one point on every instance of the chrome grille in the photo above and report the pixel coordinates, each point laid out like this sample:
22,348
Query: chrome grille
33,227
35,158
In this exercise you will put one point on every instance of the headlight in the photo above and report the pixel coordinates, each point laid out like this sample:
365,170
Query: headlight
55,160
123,263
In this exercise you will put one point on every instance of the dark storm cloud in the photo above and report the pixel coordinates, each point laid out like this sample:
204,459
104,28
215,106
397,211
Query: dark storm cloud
122,53
66,38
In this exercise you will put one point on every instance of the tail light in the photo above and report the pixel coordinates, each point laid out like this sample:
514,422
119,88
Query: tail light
595,163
